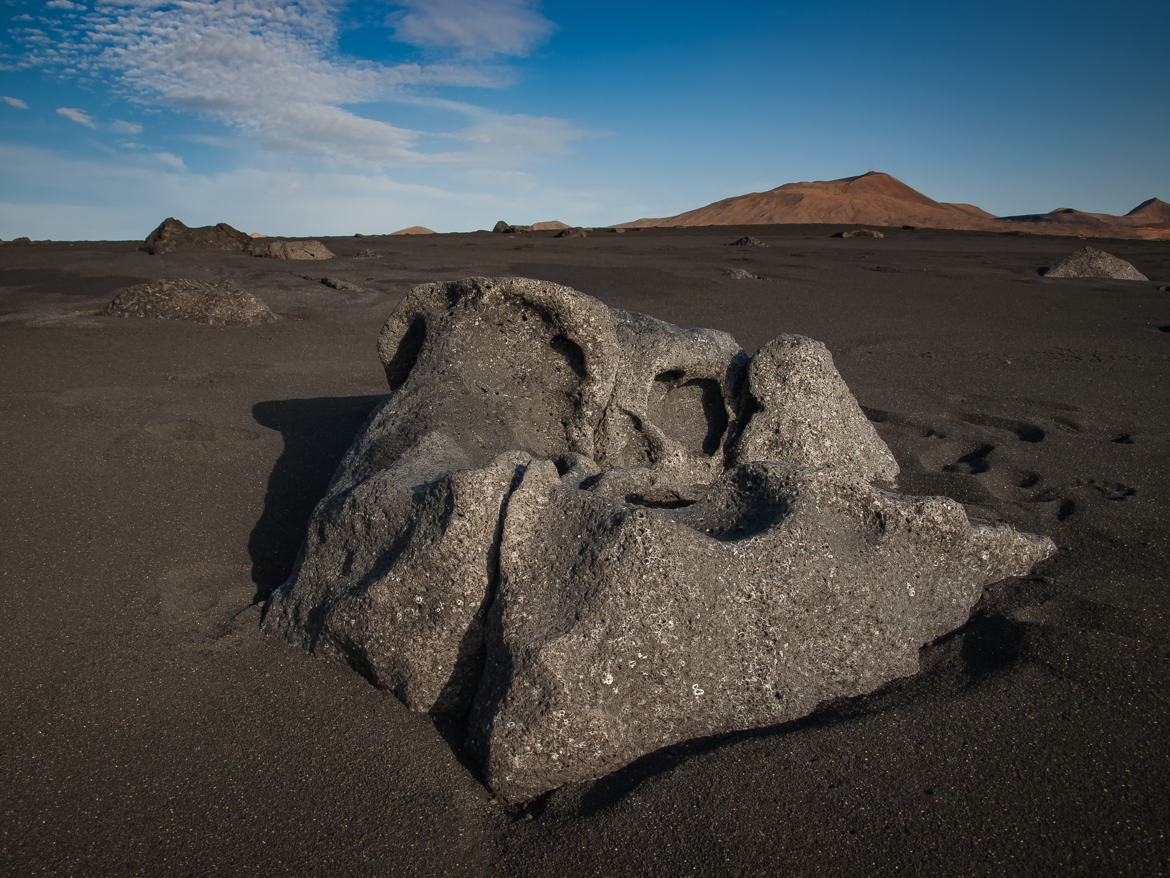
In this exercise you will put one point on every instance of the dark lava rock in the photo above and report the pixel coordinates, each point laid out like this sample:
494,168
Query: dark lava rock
748,241
172,235
1091,262
215,304
582,534
279,248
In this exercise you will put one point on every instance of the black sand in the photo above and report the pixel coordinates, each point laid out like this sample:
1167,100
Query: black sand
158,476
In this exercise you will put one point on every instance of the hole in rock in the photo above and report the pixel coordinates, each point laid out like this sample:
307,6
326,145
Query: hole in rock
409,348
691,412
663,502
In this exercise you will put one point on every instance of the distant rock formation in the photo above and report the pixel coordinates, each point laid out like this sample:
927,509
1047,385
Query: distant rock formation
1091,262
658,539
859,233
172,235
217,303
414,230
549,226
504,228
575,232
279,248
748,241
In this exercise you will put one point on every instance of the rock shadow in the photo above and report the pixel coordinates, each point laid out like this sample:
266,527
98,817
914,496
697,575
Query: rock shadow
316,432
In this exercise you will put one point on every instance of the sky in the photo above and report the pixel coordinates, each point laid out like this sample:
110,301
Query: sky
330,117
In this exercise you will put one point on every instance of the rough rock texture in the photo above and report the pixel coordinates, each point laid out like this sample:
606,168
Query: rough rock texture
216,304
748,241
586,534
172,235
276,248
860,233
741,274
1091,262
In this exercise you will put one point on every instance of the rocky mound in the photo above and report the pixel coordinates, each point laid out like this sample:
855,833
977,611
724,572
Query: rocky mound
575,232
859,233
216,304
172,235
278,248
1091,262
602,534
504,228
748,241
414,230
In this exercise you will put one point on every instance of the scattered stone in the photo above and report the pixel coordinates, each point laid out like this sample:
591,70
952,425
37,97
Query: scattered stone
575,232
859,233
217,303
1091,262
334,283
367,254
279,248
172,235
885,268
748,241
601,534
741,274
910,228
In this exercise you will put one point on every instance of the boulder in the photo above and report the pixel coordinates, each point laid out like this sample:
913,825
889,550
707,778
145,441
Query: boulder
1091,262
575,232
748,241
859,233
741,274
217,303
507,229
581,534
172,235
279,248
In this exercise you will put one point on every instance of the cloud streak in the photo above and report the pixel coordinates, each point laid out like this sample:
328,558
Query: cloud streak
15,102
78,116
508,27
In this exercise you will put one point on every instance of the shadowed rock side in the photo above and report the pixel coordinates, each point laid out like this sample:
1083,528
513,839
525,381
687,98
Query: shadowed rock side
1091,262
587,534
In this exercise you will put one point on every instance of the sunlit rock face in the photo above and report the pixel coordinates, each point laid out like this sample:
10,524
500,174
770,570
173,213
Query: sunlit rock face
586,534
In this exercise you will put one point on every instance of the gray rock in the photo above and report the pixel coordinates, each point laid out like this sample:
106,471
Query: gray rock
748,241
217,303
336,283
278,248
172,235
741,274
586,534
860,233
1091,262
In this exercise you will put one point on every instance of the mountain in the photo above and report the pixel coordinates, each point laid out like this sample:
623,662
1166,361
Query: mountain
873,198
414,230
879,199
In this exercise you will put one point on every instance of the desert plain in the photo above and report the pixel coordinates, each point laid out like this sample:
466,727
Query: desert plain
159,476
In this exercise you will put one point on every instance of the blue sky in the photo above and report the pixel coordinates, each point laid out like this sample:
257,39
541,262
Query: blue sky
324,117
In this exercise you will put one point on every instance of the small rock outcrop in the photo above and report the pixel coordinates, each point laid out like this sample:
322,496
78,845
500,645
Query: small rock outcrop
279,248
741,274
582,534
504,228
172,235
748,241
218,303
859,233
575,232
1091,262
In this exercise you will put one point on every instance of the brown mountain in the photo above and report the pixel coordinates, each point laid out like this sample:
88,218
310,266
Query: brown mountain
414,230
1152,211
870,199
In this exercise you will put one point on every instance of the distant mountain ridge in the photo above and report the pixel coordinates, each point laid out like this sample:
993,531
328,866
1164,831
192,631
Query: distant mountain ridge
880,199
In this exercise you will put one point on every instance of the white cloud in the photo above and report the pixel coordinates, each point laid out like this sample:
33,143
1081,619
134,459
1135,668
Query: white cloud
271,69
63,4
81,118
15,102
170,160
477,27
123,127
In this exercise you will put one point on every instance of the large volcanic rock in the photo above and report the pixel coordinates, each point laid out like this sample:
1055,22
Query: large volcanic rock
1091,262
172,235
279,248
586,534
217,303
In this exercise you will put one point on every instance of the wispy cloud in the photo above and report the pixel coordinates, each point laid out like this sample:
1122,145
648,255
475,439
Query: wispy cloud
63,4
273,70
123,127
15,102
78,116
508,27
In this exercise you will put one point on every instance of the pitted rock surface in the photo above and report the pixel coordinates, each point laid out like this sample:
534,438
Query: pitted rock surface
218,303
585,534
1091,262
